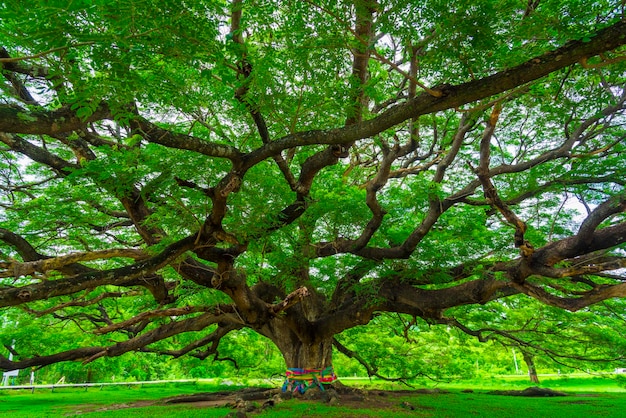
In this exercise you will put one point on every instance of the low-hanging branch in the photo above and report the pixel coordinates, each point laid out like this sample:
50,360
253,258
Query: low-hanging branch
372,371
510,337
90,354
13,296
212,338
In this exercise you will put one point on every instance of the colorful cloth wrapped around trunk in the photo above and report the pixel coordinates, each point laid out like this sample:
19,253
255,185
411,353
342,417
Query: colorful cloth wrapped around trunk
299,380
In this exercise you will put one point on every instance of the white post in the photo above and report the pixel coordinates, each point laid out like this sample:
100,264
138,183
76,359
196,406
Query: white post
9,373
515,361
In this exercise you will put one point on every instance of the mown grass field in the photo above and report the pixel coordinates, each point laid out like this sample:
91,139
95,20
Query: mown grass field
587,396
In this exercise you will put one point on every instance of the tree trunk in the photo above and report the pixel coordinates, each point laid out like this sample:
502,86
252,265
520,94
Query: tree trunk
532,370
308,355
308,361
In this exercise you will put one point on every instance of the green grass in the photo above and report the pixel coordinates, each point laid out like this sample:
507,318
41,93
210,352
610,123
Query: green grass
588,397
154,411
72,401
576,382
467,405
483,405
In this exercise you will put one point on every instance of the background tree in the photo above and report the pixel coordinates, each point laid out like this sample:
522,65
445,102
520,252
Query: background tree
176,171
537,333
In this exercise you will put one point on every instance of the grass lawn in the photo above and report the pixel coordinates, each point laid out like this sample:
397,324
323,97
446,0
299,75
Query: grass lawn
458,404
587,397
110,401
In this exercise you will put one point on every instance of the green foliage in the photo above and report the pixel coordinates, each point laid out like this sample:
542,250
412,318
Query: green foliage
189,122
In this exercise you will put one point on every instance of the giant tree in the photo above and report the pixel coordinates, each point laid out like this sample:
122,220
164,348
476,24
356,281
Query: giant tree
175,171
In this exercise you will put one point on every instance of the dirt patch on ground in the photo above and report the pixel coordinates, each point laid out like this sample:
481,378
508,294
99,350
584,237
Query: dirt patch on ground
529,392
87,408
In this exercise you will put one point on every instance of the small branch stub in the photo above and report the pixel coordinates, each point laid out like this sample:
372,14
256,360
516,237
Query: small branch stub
294,297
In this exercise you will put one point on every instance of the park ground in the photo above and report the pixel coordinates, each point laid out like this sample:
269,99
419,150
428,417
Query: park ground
589,396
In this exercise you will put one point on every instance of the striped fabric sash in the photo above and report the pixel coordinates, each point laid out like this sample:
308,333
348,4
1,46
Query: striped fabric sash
299,380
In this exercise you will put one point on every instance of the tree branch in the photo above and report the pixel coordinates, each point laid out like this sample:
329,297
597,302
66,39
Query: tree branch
595,295
491,194
12,296
44,53
14,119
291,299
44,265
160,313
371,370
35,153
153,133
79,303
213,338
453,96
90,354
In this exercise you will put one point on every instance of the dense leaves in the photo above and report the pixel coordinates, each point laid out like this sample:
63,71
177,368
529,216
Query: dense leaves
180,177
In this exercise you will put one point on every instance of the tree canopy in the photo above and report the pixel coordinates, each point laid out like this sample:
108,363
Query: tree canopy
174,171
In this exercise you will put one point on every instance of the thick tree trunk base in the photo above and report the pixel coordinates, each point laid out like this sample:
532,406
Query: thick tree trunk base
328,395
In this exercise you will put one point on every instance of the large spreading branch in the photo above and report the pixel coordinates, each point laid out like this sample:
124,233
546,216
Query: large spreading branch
16,269
196,323
516,338
14,119
155,134
211,340
607,39
13,296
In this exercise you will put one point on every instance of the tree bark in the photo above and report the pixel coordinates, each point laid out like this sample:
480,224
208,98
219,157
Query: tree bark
532,369
308,357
